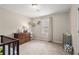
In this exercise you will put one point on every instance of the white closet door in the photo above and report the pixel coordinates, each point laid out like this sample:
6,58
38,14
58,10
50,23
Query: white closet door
45,29
78,30
42,31
36,31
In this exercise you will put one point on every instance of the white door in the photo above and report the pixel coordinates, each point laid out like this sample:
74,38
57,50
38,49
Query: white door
46,29
43,31
78,30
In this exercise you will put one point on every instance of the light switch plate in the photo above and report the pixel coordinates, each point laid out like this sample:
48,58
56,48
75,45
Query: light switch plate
78,31
78,9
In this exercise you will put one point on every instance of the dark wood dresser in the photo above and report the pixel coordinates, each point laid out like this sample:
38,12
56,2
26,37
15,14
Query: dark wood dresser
23,37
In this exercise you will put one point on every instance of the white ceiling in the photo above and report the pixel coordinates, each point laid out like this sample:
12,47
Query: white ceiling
44,9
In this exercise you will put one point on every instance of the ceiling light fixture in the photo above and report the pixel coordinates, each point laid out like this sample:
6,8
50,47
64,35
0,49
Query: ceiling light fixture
35,7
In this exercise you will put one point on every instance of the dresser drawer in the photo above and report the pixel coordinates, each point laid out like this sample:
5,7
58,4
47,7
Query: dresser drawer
23,37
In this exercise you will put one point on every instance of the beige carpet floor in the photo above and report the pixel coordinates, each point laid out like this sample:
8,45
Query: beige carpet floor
37,47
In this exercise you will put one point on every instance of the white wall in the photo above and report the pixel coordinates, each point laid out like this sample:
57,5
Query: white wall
61,24
10,21
74,30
